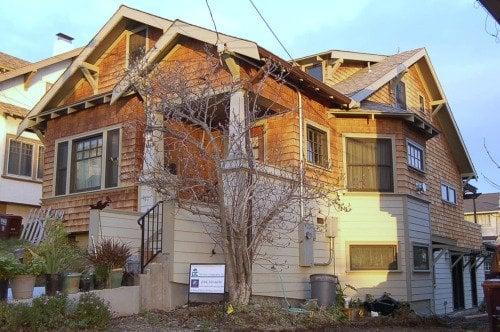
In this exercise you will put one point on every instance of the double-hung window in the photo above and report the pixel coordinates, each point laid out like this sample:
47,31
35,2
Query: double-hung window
369,164
317,146
88,163
415,154
448,193
24,158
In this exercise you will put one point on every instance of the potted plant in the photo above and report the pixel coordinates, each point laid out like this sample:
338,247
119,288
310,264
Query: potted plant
25,274
60,256
8,266
109,258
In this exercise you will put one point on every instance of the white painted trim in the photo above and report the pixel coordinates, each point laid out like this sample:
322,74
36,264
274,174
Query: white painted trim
34,158
424,156
328,142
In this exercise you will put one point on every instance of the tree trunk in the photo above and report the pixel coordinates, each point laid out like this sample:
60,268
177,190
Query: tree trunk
239,279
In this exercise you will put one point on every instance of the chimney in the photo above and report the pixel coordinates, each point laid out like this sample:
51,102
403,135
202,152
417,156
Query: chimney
63,43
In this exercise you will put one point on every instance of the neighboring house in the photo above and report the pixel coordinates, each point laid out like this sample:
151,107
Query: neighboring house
381,122
486,213
22,84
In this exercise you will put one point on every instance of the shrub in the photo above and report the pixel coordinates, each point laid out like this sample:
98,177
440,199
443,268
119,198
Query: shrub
110,253
47,313
8,265
91,312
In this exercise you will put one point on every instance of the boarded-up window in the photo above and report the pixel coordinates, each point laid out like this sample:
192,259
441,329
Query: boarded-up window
61,168
369,164
317,146
373,257
401,95
421,258
137,45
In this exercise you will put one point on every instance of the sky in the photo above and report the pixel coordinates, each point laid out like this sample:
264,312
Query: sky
455,32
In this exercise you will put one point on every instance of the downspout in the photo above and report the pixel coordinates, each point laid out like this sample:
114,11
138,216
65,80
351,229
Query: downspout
301,185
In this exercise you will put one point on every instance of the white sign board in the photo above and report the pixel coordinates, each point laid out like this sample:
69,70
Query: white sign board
207,278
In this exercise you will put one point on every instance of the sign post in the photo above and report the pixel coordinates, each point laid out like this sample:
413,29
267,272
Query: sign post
207,279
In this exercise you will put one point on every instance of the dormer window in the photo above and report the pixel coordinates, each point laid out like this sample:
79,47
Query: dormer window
137,44
401,95
315,71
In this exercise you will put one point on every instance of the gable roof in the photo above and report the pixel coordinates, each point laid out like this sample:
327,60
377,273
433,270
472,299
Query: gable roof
13,110
123,13
9,62
484,203
343,54
368,80
30,67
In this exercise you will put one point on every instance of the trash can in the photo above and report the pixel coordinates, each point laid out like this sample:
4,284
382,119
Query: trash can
491,289
10,226
323,288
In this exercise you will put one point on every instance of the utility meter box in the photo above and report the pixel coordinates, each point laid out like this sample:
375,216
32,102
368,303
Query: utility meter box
332,227
307,235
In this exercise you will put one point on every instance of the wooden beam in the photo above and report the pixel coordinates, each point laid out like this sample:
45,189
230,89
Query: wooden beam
71,110
441,253
90,67
106,99
88,104
54,115
436,110
28,79
437,102
458,260
231,64
92,81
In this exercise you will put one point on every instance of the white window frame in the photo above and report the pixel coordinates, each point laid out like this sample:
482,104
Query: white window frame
410,142
314,64
326,130
448,187
34,159
70,139
348,245
363,135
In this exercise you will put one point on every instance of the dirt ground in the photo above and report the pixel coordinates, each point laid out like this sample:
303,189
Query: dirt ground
273,318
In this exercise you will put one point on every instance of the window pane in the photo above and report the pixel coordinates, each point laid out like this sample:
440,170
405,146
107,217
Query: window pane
451,195
316,146
62,159
420,258
14,157
112,158
41,156
369,164
444,192
415,157
315,71
87,164
373,257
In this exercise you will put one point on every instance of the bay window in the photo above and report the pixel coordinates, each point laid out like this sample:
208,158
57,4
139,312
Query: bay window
88,163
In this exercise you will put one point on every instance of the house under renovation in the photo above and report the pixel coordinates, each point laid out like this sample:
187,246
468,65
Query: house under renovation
381,118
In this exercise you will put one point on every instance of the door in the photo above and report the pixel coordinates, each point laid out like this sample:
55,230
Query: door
473,281
457,276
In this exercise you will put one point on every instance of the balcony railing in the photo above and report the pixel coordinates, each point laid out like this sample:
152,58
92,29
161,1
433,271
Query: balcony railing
151,223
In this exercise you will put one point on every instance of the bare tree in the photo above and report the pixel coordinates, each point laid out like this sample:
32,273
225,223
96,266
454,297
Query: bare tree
203,129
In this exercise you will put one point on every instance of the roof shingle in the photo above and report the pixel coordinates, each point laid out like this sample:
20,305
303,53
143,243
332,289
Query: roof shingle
9,62
367,76
484,203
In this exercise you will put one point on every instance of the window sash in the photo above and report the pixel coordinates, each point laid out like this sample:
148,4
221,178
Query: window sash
366,257
421,259
86,163
40,162
415,156
20,158
369,164
448,194
317,146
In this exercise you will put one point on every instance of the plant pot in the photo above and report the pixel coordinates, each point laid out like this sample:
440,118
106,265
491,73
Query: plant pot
4,287
87,282
72,283
115,278
22,286
52,283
